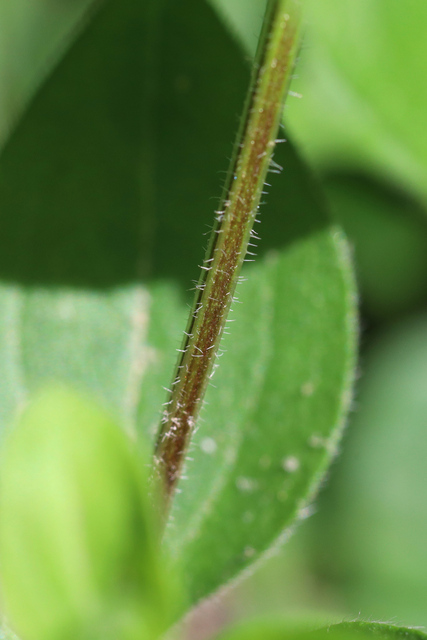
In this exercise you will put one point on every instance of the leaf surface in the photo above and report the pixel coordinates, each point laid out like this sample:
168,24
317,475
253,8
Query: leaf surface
78,547
278,630
33,35
6,633
364,100
106,188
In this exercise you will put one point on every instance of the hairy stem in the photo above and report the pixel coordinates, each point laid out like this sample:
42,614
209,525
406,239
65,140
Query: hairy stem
230,237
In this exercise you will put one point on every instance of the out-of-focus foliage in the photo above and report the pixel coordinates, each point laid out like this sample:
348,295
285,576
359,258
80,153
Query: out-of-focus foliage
78,546
32,36
373,523
364,99
389,235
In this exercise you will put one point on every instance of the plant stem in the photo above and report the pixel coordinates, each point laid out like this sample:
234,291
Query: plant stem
230,237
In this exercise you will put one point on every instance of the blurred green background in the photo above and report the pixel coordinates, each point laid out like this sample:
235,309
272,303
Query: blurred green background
358,116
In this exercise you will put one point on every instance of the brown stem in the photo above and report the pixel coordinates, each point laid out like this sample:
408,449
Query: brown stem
230,237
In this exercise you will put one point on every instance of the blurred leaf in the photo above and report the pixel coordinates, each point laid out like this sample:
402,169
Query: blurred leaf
278,630
389,235
33,35
243,18
364,102
112,171
77,546
6,633
371,531
272,628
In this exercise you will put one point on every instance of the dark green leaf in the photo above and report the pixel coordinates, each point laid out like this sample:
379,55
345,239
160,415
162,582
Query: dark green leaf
243,18
32,37
388,232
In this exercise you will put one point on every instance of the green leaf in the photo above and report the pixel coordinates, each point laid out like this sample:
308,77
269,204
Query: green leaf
77,546
6,633
33,35
373,527
243,18
278,630
364,103
376,629
388,232
112,171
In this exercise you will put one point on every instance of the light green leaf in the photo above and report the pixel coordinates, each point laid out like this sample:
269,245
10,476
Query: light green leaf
6,633
106,188
364,102
77,541
278,630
